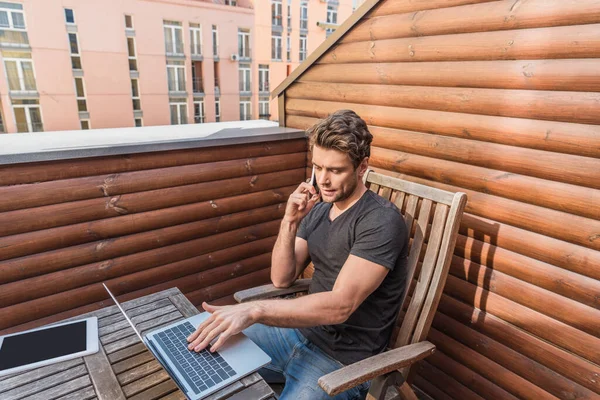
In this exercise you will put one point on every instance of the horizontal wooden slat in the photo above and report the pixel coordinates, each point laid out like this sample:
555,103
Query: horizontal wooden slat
517,206
474,346
402,6
577,315
64,300
492,16
51,216
488,368
105,229
578,107
563,362
162,245
577,170
447,384
564,75
560,137
67,169
412,188
68,190
555,279
561,334
32,389
576,41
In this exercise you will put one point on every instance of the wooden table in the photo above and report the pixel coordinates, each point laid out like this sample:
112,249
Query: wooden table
123,368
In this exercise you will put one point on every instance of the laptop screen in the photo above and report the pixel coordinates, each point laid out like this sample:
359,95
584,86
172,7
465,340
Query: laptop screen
45,344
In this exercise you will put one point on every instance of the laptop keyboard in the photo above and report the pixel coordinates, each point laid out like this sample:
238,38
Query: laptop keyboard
201,370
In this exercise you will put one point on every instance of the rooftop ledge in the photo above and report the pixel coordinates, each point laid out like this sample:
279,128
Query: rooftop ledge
47,146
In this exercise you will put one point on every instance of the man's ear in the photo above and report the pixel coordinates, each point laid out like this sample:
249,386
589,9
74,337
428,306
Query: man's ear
363,167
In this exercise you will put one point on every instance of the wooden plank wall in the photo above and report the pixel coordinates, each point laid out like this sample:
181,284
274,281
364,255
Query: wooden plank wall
499,99
203,220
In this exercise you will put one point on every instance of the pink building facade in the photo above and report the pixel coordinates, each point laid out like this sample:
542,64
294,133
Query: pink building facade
73,64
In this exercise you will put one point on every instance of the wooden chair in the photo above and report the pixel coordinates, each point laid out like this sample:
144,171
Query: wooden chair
420,205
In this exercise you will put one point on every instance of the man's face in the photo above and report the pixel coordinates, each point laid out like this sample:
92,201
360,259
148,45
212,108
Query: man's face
336,176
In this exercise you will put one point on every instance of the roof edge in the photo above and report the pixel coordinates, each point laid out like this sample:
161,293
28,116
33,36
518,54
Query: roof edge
326,45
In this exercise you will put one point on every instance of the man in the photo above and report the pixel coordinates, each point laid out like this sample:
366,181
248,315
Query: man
358,243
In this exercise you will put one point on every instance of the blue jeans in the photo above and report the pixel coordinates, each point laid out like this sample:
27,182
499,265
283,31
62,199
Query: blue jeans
298,363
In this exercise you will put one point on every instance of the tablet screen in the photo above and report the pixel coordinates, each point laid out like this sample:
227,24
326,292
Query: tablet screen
31,347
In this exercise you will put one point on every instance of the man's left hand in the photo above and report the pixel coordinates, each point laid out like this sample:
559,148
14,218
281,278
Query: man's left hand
225,321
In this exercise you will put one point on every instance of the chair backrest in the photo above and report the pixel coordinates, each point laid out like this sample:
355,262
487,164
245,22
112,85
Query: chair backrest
433,218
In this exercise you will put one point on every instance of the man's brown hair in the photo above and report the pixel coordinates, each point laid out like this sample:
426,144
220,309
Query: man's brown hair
344,131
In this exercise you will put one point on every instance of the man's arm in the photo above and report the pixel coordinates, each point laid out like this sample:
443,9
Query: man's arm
357,279
290,254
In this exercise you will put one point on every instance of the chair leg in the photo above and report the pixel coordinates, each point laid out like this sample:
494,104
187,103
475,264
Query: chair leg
379,386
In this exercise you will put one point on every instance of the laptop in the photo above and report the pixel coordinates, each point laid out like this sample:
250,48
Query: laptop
200,374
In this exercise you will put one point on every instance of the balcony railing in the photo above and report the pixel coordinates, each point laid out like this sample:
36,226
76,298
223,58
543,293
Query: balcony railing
174,48
244,52
176,85
197,85
34,127
263,86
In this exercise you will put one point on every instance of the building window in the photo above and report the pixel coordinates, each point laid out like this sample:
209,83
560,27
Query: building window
304,15
197,84
69,16
245,78
263,108
215,39
128,22
276,12
276,46
20,74
263,78
85,124
173,37
231,3
131,54
176,76
12,19
198,112
245,109
135,95
73,43
331,18
178,112
218,110
302,54
28,115
80,94
244,43
289,14
138,122
289,47
216,73
196,39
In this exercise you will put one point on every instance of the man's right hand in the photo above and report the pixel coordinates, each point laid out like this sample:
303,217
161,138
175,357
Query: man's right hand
300,203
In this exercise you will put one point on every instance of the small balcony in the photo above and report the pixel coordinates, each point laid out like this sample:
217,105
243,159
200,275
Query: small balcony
174,49
197,85
196,52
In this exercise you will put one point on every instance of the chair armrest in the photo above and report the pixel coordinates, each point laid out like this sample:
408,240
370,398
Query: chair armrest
268,291
362,371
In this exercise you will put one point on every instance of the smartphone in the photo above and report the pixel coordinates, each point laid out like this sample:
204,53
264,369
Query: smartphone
313,180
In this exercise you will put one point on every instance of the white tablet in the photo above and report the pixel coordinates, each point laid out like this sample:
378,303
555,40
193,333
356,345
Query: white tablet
48,345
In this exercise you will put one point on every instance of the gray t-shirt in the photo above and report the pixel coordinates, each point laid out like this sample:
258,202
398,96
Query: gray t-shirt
373,229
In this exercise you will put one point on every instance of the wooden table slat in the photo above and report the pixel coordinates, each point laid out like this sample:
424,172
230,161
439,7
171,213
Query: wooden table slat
132,362
142,322
121,322
87,393
145,383
138,372
111,319
127,352
176,395
259,390
62,389
133,339
186,308
44,383
157,391
13,381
